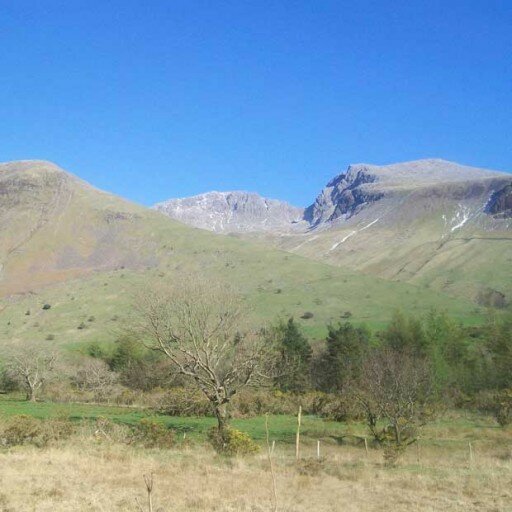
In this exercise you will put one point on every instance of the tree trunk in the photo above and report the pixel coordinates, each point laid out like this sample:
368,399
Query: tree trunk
398,439
221,413
31,394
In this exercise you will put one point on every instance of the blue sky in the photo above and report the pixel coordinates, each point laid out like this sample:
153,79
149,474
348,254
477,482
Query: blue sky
155,99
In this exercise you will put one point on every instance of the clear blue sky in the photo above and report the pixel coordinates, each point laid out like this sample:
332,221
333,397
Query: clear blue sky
154,99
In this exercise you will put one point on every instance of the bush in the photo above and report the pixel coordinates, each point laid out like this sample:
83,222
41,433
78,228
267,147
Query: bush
8,382
307,315
57,430
250,403
483,401
184,402
232,442
46,306
338,408
23,430
503,409
95,350
151,434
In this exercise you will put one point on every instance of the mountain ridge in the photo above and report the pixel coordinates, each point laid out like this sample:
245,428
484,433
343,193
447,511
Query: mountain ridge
343,195
232,211
430,222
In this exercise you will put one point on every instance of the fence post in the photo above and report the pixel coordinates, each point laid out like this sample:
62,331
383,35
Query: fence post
297,438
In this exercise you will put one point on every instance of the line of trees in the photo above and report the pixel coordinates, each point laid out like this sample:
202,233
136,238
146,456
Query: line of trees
195,334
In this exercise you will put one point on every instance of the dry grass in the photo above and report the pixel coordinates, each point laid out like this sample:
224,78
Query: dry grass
89,475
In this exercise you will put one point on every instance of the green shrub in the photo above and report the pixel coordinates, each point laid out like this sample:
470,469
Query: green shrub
503,408
232,442
153,435
57,430
47,306
184,402
20,430
250,403
24,430
95,350
338,408
8,381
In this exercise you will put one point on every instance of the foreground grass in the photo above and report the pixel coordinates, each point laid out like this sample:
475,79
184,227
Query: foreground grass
92,472
88,473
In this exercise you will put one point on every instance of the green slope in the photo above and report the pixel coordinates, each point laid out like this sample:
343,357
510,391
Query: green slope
86,253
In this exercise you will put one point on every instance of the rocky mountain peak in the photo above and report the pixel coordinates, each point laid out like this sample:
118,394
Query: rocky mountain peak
500,202
347,194
363,184
231,212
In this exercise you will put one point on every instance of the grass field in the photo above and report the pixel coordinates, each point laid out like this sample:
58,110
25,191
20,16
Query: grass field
91,473
282,428
455,429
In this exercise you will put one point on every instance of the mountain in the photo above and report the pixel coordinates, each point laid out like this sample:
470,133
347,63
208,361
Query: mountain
85,253
434,223
54,226
500,203
364,184
232,212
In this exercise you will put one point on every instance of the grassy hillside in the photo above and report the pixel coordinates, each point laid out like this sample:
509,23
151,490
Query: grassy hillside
86,253
439,238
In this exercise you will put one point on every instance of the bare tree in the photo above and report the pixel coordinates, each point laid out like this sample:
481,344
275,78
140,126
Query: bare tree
395,393
31,366
199,326
94,375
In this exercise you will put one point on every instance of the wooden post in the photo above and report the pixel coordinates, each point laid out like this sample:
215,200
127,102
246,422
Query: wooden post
297,438
271,465
418,452
318,449
470,453
366,446
273,447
